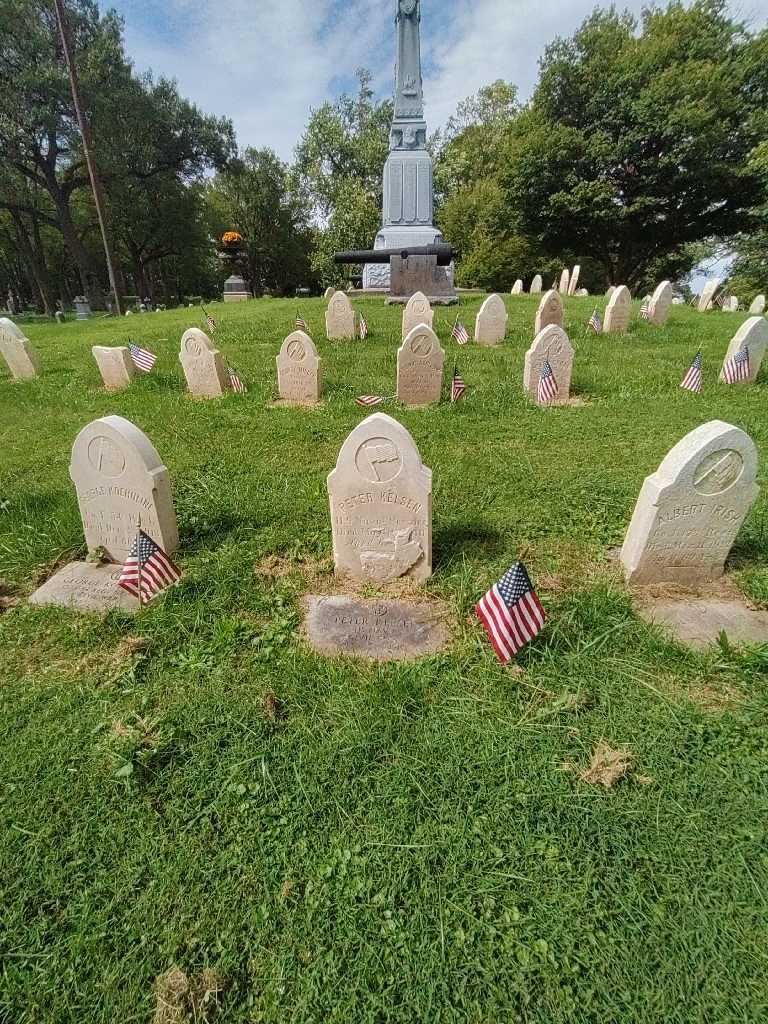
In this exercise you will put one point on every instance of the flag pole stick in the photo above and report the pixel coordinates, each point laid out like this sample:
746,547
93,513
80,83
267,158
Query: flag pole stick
138,563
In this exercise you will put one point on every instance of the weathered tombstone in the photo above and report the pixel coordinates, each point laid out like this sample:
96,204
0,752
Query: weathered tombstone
536,285
299,370
610,290
340,318
115,365
517,287
661,304
203,365
574,280
564,281
707,295
731,304
16,349
120,479
753,334
491,321
691,509
581,292
758,305
381,505
420,362
329,293
417,311
550,311
379,630
553,344
618,311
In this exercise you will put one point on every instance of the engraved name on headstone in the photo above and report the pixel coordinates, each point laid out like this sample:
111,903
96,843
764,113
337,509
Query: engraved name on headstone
420,361
299,370
381,505
550,311
340,318
753,334
120,479
491,321
551,343
17,351
381,630
691,509
203,365
115,365
618,311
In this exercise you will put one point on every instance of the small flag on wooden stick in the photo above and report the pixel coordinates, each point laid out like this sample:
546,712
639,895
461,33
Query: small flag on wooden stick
459,333
736,368
694,378
148,571
645,309
363,328
366,401
235,382
458,387
209,321
142,358
548,389
595,323
511,613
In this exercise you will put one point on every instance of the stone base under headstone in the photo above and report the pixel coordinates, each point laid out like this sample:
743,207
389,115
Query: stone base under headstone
698,622
86,587
378,630
421,274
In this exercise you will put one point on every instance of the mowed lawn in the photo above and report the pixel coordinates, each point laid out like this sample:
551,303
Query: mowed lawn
347,842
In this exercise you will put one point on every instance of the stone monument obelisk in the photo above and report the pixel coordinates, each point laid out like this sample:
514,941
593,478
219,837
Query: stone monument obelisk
408,188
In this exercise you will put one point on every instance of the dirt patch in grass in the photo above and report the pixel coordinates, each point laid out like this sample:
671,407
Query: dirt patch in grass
606,767
713,695
181,999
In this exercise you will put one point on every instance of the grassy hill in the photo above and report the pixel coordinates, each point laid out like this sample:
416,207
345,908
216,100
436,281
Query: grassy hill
341,841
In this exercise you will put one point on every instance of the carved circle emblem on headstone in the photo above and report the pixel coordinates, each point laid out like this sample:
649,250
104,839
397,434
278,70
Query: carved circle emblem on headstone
105,457
193,347
718,472
296,351
421,345
378,460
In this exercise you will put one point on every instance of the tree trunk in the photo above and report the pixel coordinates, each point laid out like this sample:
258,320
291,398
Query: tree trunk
34,260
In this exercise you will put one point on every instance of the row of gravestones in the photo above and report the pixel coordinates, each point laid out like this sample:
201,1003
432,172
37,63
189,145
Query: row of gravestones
685,522
568,284
731,305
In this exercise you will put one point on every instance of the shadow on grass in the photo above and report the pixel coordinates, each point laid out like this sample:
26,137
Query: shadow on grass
453,541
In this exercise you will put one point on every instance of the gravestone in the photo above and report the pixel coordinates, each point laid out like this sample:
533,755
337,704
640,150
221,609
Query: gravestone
517,287
618,311
381,505
119,478
610,290
417,311
661,304
299,370
203,365
564,281
758,306
491,321
340,318
16,349
379,630
550,343
708,293
115,365
691,509
731,304
581,292
329,293
550,311
574,280
420,362
754,334
536,285
86,587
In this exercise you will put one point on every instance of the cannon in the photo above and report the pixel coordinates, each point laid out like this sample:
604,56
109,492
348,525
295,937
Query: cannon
445,254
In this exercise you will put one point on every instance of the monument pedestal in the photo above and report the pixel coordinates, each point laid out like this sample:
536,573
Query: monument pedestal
421,274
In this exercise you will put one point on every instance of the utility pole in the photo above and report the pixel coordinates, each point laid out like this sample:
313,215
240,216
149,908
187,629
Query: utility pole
115,275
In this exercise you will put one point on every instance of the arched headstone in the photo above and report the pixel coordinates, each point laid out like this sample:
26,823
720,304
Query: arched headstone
550,310
299,370
491,321
574,279
329,293
731,304
753,334
758,306
115,365
17,351
661,304
517,287
708,293
340,318
565,278
120,480
610,290
203,365
536,285
618,311
420,362
553,344
417,311
381,505
691,509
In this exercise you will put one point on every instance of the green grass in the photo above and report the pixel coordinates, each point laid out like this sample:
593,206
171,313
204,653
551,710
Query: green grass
404,843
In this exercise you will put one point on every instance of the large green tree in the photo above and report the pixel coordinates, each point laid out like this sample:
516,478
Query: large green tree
637,142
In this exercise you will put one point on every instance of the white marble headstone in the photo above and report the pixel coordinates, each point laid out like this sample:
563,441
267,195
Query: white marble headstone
691,509
203,365
574,280
115,365
381,505
551,343
491,321
417,311
420,361
550,311
618,311
329,293
661,304
565,278
340,318
754,334
517,287
536,285
708,293
758,305
299,370
17,351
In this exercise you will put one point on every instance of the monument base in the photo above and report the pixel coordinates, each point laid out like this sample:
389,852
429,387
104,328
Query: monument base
421,274
376,275
85,587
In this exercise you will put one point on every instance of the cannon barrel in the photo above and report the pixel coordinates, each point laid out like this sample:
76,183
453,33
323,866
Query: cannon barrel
445,254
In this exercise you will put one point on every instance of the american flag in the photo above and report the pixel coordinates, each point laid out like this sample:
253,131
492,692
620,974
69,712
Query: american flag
148,570
236,382
645,309
363,328
301,323
548,390
694,378
367,400
209,321
595,322
143,359
737,367
458,387
511,613
459,333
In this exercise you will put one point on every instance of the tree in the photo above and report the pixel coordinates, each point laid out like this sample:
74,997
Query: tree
637,144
